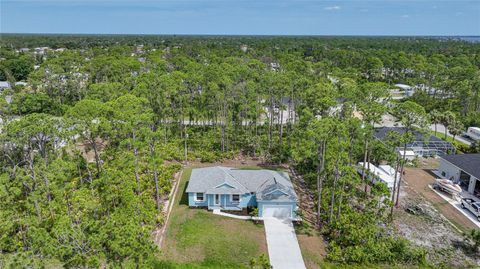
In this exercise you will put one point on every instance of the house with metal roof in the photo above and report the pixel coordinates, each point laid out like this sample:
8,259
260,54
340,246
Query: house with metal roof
384,174
463,169
234,189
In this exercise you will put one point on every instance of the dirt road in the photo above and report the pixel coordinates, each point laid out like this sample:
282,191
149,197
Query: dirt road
418,181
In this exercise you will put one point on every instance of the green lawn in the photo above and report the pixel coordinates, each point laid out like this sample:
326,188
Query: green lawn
195,238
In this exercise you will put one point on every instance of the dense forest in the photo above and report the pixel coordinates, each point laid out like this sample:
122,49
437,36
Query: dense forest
91,141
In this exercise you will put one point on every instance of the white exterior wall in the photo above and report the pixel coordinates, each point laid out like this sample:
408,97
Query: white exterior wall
448,170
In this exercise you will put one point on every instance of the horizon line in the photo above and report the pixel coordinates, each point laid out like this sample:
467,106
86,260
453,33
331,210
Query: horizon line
246,35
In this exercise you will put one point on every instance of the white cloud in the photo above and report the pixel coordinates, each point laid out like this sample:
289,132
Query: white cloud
332,8
406,16
458,13
363,10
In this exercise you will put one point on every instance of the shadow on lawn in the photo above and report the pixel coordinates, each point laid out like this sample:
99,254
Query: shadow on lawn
184,198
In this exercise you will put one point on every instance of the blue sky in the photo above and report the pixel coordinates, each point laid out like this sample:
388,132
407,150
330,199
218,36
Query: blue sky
242,17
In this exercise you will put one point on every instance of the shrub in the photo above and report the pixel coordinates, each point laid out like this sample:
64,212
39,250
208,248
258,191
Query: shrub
474,237
462,147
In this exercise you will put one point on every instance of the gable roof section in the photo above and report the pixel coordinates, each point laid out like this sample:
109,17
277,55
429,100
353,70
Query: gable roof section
469,163
266,184
207,180
224,185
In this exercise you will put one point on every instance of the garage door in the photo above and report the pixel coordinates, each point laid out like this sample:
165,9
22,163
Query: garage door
277,211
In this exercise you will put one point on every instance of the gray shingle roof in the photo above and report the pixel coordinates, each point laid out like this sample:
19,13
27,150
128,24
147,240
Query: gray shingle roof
266,184
470,163
208,179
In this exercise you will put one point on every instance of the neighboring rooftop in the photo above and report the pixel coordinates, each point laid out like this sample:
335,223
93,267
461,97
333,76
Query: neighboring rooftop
427,142
384,173
403,86
266,184
469,163
4,84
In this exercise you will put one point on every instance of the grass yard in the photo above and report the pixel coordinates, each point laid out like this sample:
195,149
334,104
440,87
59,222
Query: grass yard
195,238
311,245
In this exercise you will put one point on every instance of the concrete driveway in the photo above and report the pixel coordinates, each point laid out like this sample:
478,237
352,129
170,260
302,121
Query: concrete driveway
283,248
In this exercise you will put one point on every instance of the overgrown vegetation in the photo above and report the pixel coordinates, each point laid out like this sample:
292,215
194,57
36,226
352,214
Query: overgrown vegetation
89,146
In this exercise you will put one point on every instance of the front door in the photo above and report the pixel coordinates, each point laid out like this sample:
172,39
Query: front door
217,199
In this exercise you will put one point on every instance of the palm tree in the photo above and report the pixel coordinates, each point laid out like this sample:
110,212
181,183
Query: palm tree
447,119
435,118
475,146
456,128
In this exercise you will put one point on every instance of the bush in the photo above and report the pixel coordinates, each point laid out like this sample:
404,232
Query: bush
462,147
474,237
254,212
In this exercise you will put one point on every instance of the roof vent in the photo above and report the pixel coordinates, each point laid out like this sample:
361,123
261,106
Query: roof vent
275,180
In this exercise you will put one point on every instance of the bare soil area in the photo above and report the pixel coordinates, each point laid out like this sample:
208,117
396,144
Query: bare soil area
427,220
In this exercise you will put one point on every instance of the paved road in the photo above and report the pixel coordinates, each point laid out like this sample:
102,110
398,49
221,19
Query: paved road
390,121
441,132
283,248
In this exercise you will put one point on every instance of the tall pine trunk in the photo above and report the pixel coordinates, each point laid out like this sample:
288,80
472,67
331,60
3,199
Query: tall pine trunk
320,177
402,166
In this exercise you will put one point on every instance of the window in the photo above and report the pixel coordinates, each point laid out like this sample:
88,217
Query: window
443,174
199,197
235,198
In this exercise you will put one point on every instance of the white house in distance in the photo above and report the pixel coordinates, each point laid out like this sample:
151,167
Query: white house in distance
464,169
4,85
382,173
408,154
406,88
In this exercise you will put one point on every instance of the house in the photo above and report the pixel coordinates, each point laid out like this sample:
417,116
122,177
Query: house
244,48
422,145
463,169
383,173
233,189
4,85
409,155
406,88
21,83
23,50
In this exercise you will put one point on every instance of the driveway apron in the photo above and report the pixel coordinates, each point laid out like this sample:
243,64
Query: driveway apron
283,248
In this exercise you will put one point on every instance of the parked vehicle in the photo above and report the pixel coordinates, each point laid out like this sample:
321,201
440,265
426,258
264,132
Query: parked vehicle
472,206
473,133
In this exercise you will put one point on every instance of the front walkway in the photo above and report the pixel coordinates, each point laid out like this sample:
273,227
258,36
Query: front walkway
218,212
283,248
